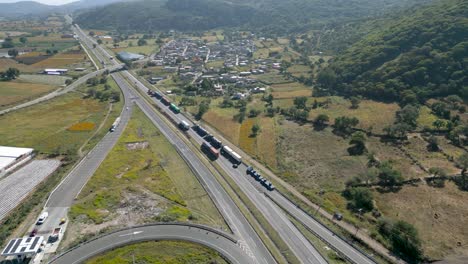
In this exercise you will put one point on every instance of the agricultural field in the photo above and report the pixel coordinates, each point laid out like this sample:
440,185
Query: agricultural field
23,68
14,92
43,79
272,78
44,127
300,70
65,59
130,45
160,252
143,179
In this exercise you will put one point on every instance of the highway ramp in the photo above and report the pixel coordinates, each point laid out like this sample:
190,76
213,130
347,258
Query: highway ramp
223,243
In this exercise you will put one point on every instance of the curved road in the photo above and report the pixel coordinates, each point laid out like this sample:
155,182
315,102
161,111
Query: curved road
67,89
221,242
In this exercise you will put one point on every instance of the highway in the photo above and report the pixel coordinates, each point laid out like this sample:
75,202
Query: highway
270,205
221,242
300,246
59,92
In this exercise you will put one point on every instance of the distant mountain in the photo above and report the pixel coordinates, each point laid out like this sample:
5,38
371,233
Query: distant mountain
26,8
274,15
422,54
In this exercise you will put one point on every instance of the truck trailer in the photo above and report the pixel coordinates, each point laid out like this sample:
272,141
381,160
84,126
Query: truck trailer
210,151
231,155
115,124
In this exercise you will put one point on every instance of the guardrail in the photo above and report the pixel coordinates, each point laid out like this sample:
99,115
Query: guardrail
189,225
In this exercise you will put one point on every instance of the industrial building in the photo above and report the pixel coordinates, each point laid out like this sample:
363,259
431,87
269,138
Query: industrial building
11,158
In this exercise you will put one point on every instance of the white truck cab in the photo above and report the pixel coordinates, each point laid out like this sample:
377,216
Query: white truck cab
42,218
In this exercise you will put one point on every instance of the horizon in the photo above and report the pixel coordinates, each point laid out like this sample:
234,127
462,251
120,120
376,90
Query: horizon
46,2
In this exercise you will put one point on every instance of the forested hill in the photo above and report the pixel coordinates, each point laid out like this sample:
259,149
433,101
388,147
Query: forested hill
422,54
273,15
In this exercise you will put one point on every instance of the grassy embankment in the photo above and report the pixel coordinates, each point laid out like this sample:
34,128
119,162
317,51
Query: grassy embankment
155,252
144,166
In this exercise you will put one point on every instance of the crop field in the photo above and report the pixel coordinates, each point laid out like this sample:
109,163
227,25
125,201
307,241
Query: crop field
222,119
159,252
144,166
288,87
261,53
300,70
44,126
215,64
43,79
61,60
23,68
272,78
291,94
439,214
14,92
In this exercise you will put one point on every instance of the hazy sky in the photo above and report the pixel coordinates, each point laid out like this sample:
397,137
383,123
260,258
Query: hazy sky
49,2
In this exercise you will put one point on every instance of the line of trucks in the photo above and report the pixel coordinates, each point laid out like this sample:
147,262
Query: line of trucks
212,146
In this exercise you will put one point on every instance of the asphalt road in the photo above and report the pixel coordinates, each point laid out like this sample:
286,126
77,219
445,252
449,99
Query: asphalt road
296,241
239,225
56,93
62,197
204,236
229,210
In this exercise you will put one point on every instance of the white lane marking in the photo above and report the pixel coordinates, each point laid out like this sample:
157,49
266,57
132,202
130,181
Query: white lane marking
130,234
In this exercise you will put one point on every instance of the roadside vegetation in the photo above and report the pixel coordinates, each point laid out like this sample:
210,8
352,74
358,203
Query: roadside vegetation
142,180
167,252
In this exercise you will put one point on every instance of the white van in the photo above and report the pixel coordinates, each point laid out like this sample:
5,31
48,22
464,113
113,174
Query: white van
42,218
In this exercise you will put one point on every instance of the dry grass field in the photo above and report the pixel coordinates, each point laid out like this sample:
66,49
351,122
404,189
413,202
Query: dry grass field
300,70
291,94
23,68
288,87
439,214
14,92
222,119
61,60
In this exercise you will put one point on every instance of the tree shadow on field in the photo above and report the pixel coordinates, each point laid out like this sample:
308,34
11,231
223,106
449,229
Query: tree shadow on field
388,189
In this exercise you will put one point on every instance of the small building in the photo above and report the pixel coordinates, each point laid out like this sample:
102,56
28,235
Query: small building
55,71
80,69
258,90
238,96
154,80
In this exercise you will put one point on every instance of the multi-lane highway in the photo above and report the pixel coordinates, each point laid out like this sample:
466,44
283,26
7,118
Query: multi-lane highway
268,205
223,243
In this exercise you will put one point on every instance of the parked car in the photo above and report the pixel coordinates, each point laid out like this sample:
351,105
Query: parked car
33,233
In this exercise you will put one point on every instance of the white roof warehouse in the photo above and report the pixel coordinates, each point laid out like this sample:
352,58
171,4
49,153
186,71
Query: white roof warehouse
10,156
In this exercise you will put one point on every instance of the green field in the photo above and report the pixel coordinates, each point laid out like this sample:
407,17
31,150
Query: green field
44,127
14,92
160,252
144,167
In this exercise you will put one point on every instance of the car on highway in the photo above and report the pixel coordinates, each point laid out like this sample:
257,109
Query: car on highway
33,233
42,218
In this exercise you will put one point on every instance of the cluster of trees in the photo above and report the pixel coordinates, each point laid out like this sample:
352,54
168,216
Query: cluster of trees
403,237
9,74
101,95
203,107
413,58
266,16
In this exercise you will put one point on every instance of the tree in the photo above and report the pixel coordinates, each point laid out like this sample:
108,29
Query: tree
7,43
388,176
115,96
355,101
203,107
433,144
403,237
142,42
408,115
462,162
300,102
321,120
68,81
438,124
13,53
344,124
397,130
358,143
326,78
270,111
254,112
10,74
99,41
359,198
255,130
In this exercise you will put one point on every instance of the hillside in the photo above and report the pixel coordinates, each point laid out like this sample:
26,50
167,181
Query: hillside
422,54
272,15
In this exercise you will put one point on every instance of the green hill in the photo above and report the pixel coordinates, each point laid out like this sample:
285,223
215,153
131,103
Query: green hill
261,15
420,55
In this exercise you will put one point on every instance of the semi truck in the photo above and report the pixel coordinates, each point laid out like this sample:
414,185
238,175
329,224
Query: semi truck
115,124
235,158
200,130
210,151
165,101
174,108
184,125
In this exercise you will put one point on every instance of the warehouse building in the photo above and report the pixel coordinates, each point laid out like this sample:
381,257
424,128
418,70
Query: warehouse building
11,158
